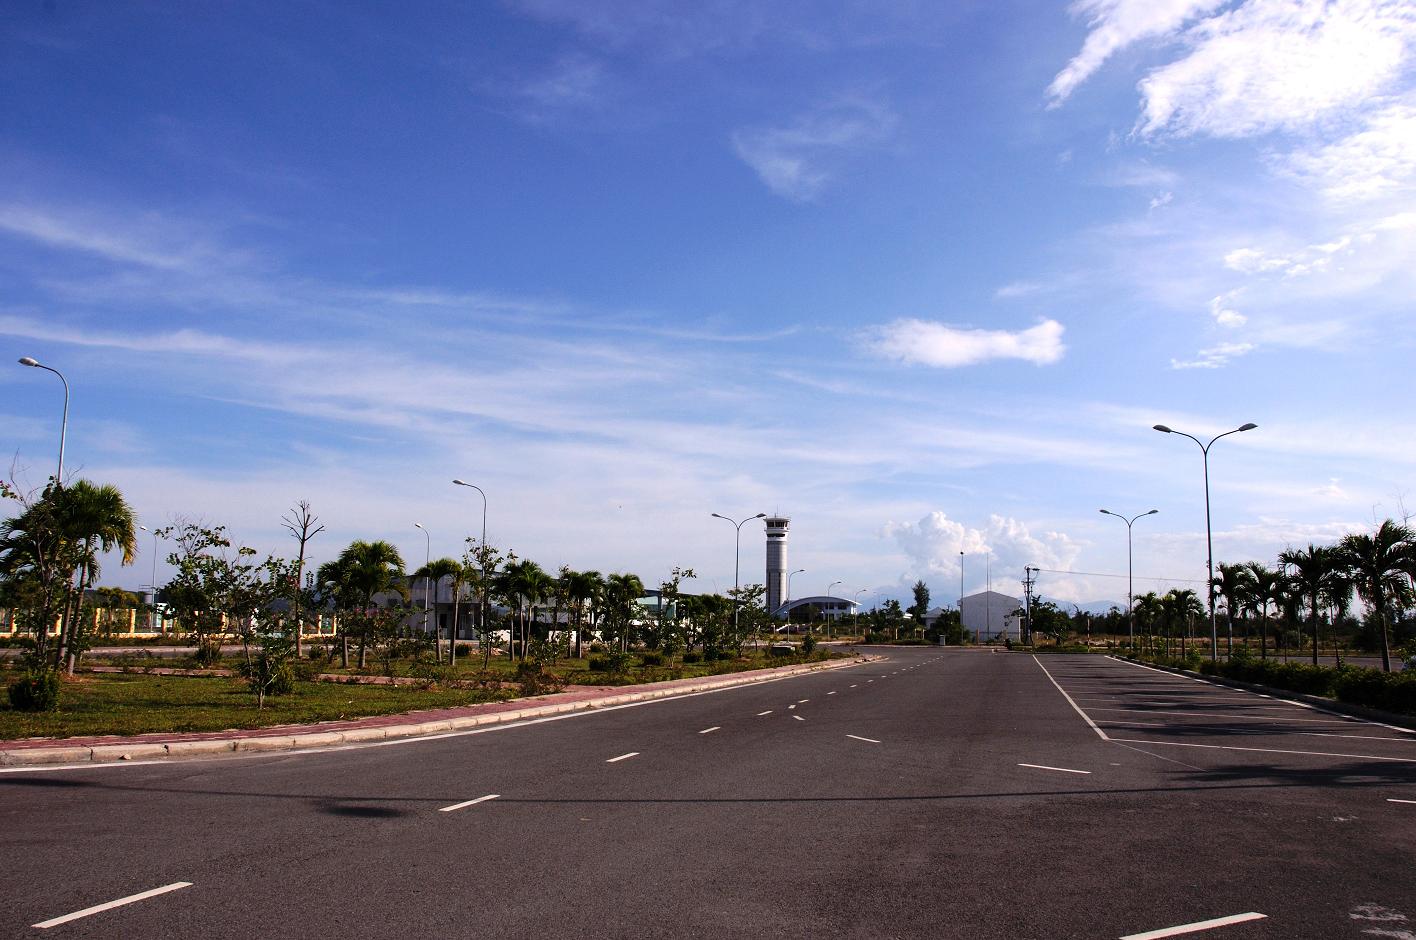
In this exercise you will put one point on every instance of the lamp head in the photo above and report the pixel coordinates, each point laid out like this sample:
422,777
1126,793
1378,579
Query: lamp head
459,483
27,361
760,515
1163,429
1107,511
716,516
1153,512
143,527
419,525
1248,427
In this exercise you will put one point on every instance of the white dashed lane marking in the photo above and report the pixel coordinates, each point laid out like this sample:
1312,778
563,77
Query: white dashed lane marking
615,760
100,908
466,803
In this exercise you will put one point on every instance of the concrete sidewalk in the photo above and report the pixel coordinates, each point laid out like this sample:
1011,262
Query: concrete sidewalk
105,749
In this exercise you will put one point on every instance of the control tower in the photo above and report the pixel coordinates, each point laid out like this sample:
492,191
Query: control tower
776,562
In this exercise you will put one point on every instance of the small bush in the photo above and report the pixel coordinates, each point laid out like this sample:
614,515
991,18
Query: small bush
35,692
808,644
652,659
691,658
464,649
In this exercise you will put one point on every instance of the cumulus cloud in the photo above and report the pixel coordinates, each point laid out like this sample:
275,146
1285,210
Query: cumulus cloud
929,343
1214,357
1116,24
933,543
798,159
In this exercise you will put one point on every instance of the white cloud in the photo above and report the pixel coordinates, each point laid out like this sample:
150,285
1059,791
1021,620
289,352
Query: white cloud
58,231
1161,199
1116,24
573,81
1214,357
1224,314
1377,161
797,160
925,342
932,546
1278,64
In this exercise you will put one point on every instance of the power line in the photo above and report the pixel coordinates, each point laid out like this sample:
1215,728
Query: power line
1099,574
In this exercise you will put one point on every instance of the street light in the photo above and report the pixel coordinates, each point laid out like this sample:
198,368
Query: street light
737,559
152,611
1130,591
482,618
961,597
428,563
1209,534
64,424
787,600
823,610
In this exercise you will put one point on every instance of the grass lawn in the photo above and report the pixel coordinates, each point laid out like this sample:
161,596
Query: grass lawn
137,704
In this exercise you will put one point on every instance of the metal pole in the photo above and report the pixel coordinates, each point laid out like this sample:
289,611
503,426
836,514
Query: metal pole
482,618
823,610
1209,533
427,563
737,561
961,595
1130,587
64,422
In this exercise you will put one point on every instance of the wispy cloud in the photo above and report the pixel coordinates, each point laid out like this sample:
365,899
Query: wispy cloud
797,160
1377,161
930,343
1214,357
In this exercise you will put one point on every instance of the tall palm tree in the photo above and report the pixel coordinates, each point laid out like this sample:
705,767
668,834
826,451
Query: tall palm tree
370,568
1265,587
579,587
1338,588
1149,612
1381,565
1311,570
1182,605
1232,584
622,593
432,575
524,583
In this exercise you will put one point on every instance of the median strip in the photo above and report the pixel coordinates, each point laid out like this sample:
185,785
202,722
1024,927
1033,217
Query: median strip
466,803
99,908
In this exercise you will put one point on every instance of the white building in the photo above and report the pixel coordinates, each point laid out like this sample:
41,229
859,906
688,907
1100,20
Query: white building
988,615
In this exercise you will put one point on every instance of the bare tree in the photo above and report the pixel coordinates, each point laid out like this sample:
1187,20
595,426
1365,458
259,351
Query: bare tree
301,524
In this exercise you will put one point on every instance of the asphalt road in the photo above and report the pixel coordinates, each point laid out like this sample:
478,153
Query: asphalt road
944,793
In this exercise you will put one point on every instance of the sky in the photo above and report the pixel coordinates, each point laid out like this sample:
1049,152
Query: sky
920,276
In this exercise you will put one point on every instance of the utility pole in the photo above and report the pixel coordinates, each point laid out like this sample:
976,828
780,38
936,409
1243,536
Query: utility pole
1029,578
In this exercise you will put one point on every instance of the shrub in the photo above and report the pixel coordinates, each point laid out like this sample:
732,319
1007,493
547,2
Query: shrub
808,644
35,692
464,649
691,658
652,659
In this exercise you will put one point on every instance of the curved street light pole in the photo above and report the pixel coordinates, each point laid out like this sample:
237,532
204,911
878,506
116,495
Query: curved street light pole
64,423
482,612
737,559
823,610
1130,591
1209,535
152,610
788,599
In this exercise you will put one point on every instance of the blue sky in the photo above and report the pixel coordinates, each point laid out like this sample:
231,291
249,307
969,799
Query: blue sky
920,278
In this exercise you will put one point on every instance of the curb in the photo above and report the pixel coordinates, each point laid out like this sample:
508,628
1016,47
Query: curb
1332,705
213,747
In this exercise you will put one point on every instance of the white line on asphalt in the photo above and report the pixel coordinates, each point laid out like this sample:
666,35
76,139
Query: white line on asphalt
1075,707
799,718
1195,927
790,707
803,701
767,712
866,740
623,757
467,803
1204,714
1265,750
830,693
853,687
99,908
1065,770
710,730
1389,800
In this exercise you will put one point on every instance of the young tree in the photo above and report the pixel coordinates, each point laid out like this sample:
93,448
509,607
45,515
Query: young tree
302,526
920,608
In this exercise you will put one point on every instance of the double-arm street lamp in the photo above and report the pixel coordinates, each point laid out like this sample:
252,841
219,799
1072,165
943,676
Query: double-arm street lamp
737,558
64,423
482,549
1209,535
1130,591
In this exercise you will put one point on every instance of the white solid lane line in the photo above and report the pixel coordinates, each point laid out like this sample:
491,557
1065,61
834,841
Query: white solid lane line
99,908
866,740
467,803
1390,800
613,760
1195,927
1065,770
767,712
1264,750
710,730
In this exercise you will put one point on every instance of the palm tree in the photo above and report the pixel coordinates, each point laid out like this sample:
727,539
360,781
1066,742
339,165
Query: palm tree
622,594
432,574
523,583
1381,565
370,568
91,519
579,587
1233,585
1337,595
1182,605
1265,587
1312,569
1149,611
